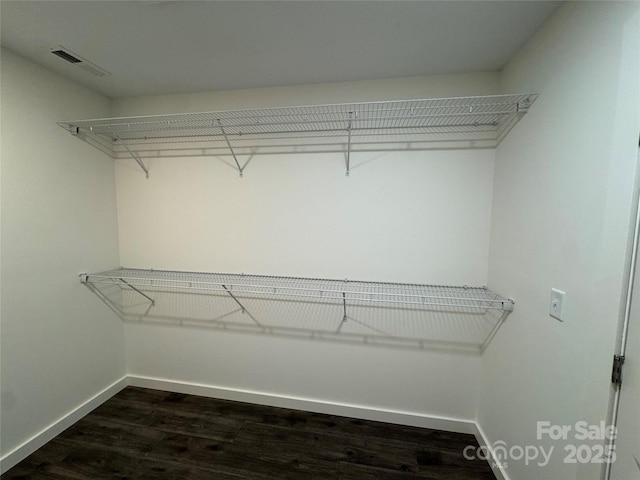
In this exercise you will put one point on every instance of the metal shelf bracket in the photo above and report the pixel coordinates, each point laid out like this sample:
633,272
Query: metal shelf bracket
135,156
224,134
234,298
84,278
523,106
153,302
344,307
349,143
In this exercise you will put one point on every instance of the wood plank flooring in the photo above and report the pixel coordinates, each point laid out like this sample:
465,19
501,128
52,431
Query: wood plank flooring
151,434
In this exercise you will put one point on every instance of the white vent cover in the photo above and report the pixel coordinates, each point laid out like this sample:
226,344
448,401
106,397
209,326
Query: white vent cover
79,62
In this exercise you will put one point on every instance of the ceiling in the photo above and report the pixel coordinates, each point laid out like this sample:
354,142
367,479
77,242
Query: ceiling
167,46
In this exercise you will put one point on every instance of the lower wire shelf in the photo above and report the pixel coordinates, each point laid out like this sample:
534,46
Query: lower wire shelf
396,314
312,289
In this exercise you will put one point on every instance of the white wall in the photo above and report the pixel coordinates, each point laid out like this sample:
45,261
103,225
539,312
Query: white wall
403,216
60,347
432,86
411,217
561,213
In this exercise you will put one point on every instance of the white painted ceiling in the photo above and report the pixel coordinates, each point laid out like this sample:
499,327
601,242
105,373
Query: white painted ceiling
157,47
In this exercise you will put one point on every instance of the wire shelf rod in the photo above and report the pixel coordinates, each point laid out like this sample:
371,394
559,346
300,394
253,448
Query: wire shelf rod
185,142
360,133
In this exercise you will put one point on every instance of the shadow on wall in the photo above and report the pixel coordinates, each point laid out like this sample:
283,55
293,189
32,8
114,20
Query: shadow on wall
414,327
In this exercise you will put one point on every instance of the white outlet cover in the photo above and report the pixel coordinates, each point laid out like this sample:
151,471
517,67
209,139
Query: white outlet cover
556,303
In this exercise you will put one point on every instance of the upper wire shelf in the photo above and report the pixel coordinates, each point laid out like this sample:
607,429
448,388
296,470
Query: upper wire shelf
457,122
344,292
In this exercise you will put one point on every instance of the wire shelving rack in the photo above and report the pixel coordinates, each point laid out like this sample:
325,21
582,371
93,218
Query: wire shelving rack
458,122
344,292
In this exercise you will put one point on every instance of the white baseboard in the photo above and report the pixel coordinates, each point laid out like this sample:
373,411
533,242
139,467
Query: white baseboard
297,403
498,470
309,405
56,428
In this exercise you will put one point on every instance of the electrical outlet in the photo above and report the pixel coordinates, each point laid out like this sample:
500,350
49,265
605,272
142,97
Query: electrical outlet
556,302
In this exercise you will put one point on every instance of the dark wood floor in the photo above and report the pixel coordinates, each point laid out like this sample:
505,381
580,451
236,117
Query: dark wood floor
150,434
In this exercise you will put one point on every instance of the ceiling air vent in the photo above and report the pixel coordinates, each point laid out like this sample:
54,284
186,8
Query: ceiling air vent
66,56
79,62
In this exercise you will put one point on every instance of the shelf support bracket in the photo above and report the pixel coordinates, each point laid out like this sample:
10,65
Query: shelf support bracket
153,302
344,307
234,298
224,134
349,143
134,155
242,309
